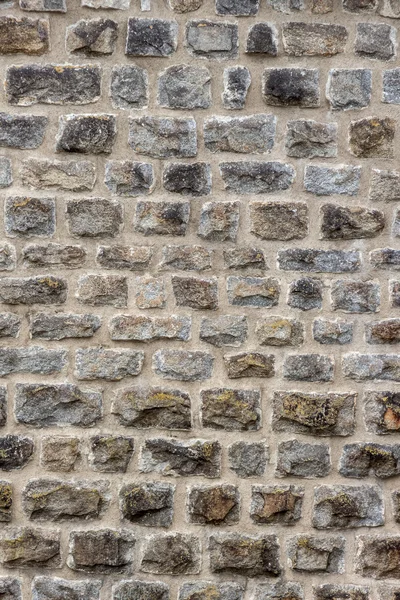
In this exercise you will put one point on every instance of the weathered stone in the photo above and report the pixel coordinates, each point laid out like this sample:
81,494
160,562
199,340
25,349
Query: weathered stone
162,218
317,555
103,290
279,591
322,7
279,331
248,459
92,37
382,412
15,452
365,459
109,364
147,407
238,8
391,83
86,134
330,591
59,453
52,588
61,326
163,137
184,6
291,87
101,551
25,132
26,36
110,453
33,290
52,84
396,505
227,330
6,177
388,8
286,6
347,223
146,329
311,139
297,459
383,332
376,41
183,365
71,176
360,6
191,179
314,260
332,332
372,137
8,259
396,224
355,296
253,291
347,506
26,216
148,503
276,504
186,258
313,39
247,257
10,588
237,81
212,39
308,367
219,221
250,364
326,181
172,554
3,406
231,410
216,505
58,404
129,87
256,177
385,258
279,220
199,294
174,458
151,37
107,4
44,5
150,292
262,38
386,591
376,556
185,87
53,256
250,556
362,367
133,258
30,548
56,500
32,359
314,413
140,590
203,589
10,325
127,178
305,294
246,135
394,289
349,89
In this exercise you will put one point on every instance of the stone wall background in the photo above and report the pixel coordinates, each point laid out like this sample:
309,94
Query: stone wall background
199,296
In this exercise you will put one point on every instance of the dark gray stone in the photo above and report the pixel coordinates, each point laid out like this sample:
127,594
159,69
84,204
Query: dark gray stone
6,501
350,222
163,137
329,591
10,325
252,177
216,505
25,547
305,294
196,293
249,364
103,551
186,258
376,41
53,256
94,37
219,221
133,258
355,296
162,218
391,86
129,87
231,410
185,87
201,590
103,290
365,459
15,452
151,37
60,326
246,135
313,260
248,459
171,554
25,132
106,363
227,330
192,179
262,38
364,367
148,503
250,556
237,81
212,39
52,588
385,258
372,137
374,557
311,554
32,359
279,220
308,367
6,177
311,139
87,134
110,453
140,590
279,591
26,216
33,290
332,332
247,257
238,8
291,87
173,458
349,89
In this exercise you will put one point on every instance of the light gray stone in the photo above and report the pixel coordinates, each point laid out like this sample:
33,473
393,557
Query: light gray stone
185,87
108,364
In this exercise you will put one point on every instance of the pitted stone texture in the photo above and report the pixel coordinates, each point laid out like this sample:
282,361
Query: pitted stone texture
172,554
8,259
217,505
291,87
51,588
249,364
248,459
196,293
103,290
262,38
246,135
332,332
376,41
314,260
256,177
53,256
59,453
139,590
44,5
308,367
279,591
321,414
25,132
227,330
391,82
3,406
6,501
127,178
237,81
347,506
364,459
101,551
388,592
183,365
305,294
231,410
15,452
129,87
238,8
150,504
32,359
322,7
86,134
203,589
27,547
59,404
163,137
311,139
150,292
110,453
312,554
71,176
388,8
326,181
329,591
385,258
258,292
281,505
132,258
147,329
25,35
244,257
186,258
349,89
286,6
94,37
185,87
360,6
212,39
250,556
306,461
10,325
174,458
375,556
188,179
6,177
153,407
52,84
383,332
372,137
382,412
162,218
313,39
362,367
279,220
151,37
279,331
219,221
355,296
348,223
30,216
184,6
108,364
60,326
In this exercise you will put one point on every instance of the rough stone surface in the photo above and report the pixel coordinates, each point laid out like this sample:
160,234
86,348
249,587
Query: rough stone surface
149,504
217,505
232,410
237,82
291,87
248,459
313,39
101,551
347,506
298,459
326,181
171,554
163,137
349,89
314,554
188,458
279,220
248,135
276,505
110,454
183,365
262,39
25,132
48,588
151,37
250,364
381,412
30,216
71,176
314,260
256,177
305,294
355,296
372,137
374,556
258,292
27,547
111,365
192,179
340,222
310,139
126,178
94,37
376,41
86,134
251,556
24,35
61,326
185,87
212,39
129,87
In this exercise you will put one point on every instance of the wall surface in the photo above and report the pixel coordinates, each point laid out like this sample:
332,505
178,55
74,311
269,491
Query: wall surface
200,300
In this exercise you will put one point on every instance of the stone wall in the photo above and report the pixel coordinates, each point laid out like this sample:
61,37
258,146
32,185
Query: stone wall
199,295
